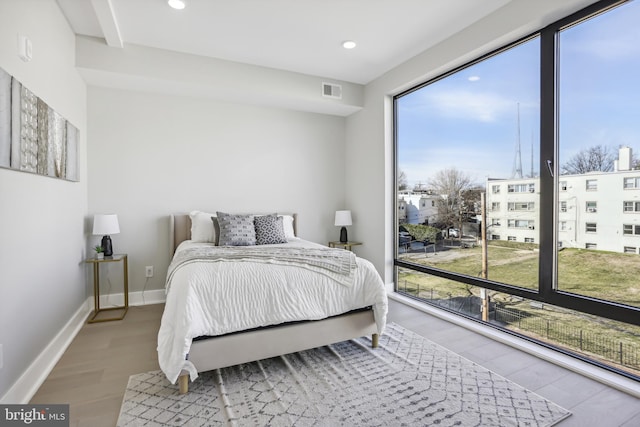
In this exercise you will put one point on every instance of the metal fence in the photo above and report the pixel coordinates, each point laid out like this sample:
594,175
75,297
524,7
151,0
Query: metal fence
624,354
586,341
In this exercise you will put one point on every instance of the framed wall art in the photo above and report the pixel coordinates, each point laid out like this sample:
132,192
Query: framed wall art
33,137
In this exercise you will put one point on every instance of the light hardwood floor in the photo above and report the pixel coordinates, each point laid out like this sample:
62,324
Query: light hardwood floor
93,372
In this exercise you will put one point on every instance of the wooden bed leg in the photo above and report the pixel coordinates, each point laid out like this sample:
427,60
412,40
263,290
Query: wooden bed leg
374,341
183,382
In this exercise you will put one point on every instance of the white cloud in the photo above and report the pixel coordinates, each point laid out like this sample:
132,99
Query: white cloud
612,36
478,162
483,107
473,78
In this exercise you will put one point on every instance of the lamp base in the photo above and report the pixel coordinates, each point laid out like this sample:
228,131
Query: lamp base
343,235
106,246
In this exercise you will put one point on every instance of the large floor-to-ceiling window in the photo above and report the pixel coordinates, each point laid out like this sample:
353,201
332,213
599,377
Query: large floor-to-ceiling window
518,187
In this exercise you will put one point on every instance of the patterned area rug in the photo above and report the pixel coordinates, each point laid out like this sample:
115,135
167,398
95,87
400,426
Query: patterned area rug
408,380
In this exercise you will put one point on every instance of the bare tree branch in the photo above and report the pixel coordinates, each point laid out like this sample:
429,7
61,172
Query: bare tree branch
402,181
597,158
455,188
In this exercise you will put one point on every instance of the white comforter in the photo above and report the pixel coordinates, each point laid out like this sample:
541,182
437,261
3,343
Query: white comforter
215,298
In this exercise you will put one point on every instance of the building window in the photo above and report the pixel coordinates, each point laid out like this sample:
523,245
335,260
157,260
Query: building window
591,227
563,206
631,207
630,250
563,225
631,230
520,206
511,238
495,206
563,185
528,240
520,223
495,222
433,203
521,188
495,237
590,246
592,185
495,189
592,207
632,182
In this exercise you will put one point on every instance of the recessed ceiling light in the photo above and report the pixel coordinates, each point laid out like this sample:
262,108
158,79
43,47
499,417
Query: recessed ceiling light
348,44
176,4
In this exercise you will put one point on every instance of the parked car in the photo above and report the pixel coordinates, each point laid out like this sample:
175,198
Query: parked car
404,238
454,232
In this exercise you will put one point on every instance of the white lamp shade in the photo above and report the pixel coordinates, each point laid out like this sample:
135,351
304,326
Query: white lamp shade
343,218
105,224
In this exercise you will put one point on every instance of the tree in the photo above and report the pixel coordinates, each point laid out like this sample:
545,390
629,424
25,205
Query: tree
458,196
421,232
597,158
402,181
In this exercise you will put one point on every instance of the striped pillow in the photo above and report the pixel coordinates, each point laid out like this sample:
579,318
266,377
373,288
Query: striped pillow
236,230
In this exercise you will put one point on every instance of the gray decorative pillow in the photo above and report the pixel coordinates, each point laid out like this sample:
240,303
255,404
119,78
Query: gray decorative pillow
236,230
269,230
216,230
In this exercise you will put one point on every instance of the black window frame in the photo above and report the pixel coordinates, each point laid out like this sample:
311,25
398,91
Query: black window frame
549,184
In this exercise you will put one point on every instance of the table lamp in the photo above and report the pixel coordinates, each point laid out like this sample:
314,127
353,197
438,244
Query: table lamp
343,218
105,224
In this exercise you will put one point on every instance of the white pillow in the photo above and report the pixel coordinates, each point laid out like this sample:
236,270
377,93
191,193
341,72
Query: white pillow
202,229
287,223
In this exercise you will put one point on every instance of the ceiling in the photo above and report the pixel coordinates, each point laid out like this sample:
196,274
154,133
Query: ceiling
303,36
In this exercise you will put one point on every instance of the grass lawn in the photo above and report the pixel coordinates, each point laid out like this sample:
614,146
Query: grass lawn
605,275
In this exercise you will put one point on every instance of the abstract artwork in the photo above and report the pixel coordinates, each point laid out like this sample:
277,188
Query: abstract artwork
33,137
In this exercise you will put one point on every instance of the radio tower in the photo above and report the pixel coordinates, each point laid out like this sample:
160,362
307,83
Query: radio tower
517,161
532,175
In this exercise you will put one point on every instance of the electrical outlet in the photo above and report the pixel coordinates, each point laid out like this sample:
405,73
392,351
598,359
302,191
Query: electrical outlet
148,271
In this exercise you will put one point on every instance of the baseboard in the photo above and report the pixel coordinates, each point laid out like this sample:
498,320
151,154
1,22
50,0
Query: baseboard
30,381
604,376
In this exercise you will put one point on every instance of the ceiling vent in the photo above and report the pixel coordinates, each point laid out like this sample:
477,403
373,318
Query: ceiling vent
330,90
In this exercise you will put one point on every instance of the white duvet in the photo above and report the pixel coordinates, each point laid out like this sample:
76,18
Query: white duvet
215,298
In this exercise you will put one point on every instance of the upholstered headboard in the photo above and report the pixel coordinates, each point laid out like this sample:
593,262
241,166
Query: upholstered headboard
180,229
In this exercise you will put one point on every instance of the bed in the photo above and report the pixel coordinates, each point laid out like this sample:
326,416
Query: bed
227,305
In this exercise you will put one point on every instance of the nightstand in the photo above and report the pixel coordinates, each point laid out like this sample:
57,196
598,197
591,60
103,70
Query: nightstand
344,245
96,287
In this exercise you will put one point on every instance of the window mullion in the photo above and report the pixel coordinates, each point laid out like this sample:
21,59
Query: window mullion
548,161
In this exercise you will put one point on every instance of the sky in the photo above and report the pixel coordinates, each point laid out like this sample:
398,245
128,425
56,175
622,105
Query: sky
473,119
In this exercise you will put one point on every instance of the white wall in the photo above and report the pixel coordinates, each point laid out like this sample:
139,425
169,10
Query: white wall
146,69
42,219
150,155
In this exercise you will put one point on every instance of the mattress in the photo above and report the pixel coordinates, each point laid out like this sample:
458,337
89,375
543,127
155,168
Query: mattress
210,296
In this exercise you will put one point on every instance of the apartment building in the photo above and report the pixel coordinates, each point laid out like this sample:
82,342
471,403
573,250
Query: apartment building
596,210
417,208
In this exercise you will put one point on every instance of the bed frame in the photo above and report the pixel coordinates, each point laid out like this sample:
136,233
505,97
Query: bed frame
242,347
